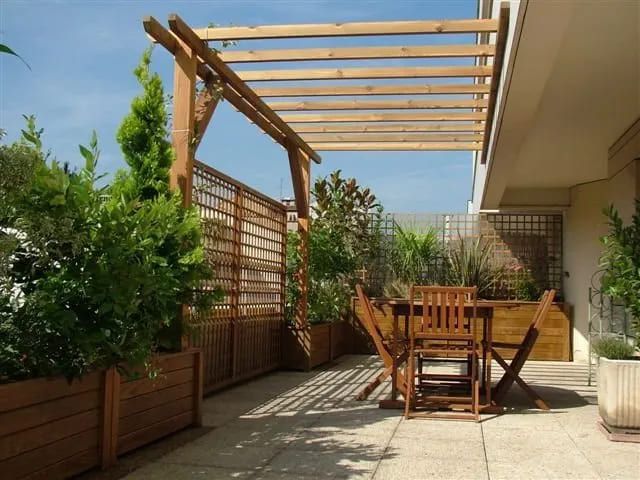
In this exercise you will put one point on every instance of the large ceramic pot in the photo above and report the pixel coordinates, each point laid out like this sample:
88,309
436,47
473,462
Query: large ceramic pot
619,393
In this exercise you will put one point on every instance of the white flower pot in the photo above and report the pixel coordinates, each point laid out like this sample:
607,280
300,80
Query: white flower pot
619,393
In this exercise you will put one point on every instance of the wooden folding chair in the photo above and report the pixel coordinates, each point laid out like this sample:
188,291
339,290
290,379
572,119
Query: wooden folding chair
442,332
512,370
384,348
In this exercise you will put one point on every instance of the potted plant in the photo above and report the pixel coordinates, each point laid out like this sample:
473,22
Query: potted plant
618,364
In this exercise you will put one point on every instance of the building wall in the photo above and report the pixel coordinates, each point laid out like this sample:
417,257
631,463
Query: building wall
584,224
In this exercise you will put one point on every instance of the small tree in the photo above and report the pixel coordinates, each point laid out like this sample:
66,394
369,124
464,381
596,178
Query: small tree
621,262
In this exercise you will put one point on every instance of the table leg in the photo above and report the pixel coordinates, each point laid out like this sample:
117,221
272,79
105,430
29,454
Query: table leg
489,358
394,360
484,352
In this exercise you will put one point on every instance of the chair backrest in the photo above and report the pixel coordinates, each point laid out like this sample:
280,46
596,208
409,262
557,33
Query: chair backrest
370,324
533,331
443,310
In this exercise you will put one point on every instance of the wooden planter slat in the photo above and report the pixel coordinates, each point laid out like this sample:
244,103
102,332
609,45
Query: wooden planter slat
60,451
41,390
51,429
29,417
152,399
36,437
153,432
133,388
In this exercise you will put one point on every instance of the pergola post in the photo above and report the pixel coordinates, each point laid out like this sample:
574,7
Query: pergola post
184,88
301,177
182,135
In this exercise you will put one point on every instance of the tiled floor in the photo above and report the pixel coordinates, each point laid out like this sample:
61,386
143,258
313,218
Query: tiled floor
291,425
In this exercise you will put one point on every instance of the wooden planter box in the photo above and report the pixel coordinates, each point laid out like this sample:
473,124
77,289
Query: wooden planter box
510,323
317,344
50,428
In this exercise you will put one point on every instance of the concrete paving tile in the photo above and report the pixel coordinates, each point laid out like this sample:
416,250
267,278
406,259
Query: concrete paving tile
158,471
335,441
451,430
470,449
341,463
547,466
427,468
237,456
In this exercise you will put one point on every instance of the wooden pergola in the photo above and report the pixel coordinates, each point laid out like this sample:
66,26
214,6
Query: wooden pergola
446,107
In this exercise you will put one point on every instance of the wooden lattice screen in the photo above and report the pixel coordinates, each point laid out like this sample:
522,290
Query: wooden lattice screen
530,241
245,240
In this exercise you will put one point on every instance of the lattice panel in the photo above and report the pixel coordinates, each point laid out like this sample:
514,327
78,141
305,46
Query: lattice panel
523,242
245,241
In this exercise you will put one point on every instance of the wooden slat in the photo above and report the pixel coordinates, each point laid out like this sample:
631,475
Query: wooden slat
383,117
34,460
356,53
153,432
154,415
34,415
388,127
146,385
347,29
31,392
169,41
153,399
501,42
341,90
47,433
391,146
68,467
402,137
378,104
182,30
363,73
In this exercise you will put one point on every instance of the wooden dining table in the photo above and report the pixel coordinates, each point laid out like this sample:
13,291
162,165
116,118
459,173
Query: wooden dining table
400,308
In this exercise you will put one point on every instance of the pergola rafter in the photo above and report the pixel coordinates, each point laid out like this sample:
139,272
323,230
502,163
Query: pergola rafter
452,109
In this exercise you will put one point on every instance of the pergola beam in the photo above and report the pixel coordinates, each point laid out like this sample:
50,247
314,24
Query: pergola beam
391,137
364,73
228,76
170,42
341,90
383,117
356,53
347,29
377,104
388,127
501,42
399,146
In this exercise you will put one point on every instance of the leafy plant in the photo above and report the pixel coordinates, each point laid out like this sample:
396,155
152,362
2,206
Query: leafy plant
613,348
413,253
526,288
469,262
621,262
94,276
9,51
340,240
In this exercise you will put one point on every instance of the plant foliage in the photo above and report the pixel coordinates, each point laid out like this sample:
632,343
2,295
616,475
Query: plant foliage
613,348
413,253
470,262
621,262
94,276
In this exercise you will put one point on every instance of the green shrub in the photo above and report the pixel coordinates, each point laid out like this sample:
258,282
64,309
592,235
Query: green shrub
621,262
613,348
94,276
413,253
469,262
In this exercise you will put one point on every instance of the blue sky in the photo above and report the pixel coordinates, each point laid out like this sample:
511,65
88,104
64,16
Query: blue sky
82,54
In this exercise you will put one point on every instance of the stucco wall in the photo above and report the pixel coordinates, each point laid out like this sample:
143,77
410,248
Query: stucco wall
584,224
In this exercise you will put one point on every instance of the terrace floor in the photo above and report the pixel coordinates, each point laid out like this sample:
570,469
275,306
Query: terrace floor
292,425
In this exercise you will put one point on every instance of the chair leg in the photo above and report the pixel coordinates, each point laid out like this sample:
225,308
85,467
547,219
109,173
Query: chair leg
366,391
513,376
408,399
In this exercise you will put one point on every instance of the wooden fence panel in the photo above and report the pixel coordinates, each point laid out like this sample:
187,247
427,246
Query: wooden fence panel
245,240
